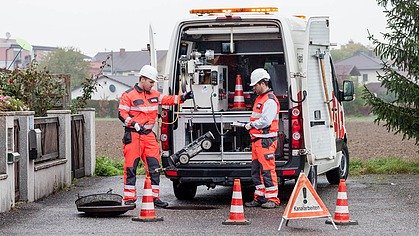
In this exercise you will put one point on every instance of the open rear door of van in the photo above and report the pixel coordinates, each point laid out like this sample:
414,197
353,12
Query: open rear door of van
319,134
153,54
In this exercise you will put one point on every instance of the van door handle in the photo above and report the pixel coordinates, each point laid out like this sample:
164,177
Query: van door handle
314,123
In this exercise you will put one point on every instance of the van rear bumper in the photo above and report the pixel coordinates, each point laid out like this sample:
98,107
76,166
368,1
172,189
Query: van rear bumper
224,173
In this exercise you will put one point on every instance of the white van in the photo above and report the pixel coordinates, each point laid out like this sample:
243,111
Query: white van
214,47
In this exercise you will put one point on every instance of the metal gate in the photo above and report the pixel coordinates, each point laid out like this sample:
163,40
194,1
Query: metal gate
77,146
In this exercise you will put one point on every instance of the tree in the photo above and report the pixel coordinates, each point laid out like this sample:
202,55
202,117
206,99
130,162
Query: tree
357,107
348,50
399,54
67,61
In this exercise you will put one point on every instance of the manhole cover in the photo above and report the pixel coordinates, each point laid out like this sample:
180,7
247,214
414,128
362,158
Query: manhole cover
105,211
102,204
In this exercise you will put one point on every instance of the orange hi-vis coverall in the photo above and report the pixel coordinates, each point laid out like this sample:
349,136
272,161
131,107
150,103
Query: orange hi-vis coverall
264,133
139,106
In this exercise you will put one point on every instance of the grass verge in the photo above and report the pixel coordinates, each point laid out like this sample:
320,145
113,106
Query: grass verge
106,166
390,165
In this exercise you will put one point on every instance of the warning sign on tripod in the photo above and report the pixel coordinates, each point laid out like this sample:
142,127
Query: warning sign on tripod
304,203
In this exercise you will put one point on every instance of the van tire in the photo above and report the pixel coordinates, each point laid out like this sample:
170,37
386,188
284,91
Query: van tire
341,172
184,191
312,176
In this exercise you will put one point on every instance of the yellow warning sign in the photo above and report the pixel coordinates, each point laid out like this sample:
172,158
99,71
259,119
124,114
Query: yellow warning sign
305,202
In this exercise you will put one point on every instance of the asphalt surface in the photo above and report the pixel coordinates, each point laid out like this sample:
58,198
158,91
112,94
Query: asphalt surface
382,205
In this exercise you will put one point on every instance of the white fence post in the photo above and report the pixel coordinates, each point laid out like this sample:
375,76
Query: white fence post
27,184
89,140
7,177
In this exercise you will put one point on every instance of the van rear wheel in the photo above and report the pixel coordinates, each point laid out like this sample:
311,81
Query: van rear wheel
184,191
341,172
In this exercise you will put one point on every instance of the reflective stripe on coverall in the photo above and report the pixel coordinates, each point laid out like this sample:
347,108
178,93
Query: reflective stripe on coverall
264,143
139,106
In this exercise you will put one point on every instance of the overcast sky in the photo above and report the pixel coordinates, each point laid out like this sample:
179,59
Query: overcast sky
104,25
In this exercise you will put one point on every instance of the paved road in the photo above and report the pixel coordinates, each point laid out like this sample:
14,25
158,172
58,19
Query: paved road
382,204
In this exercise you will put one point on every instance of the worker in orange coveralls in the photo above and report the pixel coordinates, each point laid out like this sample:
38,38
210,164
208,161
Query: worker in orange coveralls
138,111
263,129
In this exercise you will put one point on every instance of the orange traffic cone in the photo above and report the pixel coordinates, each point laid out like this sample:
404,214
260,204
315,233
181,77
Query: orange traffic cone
341,216
236,210
147,213
239,103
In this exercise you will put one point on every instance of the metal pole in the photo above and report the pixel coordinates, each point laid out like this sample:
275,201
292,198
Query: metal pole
222,136
111,62
7,52
15,57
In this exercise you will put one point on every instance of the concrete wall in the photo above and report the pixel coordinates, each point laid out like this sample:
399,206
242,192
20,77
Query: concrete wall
38,180
50,177
7,185
54,175
7,193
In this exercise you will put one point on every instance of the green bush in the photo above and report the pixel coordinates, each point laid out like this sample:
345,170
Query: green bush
36,88
106,166
11,104
390,165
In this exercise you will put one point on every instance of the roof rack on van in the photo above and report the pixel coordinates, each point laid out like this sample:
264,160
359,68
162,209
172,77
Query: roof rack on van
265,10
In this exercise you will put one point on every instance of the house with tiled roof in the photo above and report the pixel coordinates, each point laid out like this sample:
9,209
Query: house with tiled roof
120,72
128,62
345,72
367,65
109,87
13,56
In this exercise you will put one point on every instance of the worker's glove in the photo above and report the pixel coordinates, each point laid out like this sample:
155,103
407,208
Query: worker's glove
186,96
248,126
238,124
139,128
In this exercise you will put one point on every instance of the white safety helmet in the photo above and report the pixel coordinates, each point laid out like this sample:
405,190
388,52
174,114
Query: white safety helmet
258,75
149,72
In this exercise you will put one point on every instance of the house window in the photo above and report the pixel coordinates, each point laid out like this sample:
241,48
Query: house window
112,88
364,78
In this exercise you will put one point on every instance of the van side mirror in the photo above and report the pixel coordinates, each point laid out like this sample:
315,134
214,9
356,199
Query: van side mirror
348,91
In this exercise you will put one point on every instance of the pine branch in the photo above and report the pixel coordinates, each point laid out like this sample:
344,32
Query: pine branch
399,119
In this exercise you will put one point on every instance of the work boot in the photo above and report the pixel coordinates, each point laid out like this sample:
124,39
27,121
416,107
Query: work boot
253,203
129,203
270,204
160,203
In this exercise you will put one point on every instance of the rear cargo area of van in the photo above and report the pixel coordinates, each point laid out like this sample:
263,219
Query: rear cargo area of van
218,59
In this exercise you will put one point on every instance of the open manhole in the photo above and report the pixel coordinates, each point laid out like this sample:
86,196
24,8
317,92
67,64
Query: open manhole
191,207
102,204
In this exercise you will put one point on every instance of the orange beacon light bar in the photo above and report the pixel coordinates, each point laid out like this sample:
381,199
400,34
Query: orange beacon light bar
232,10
